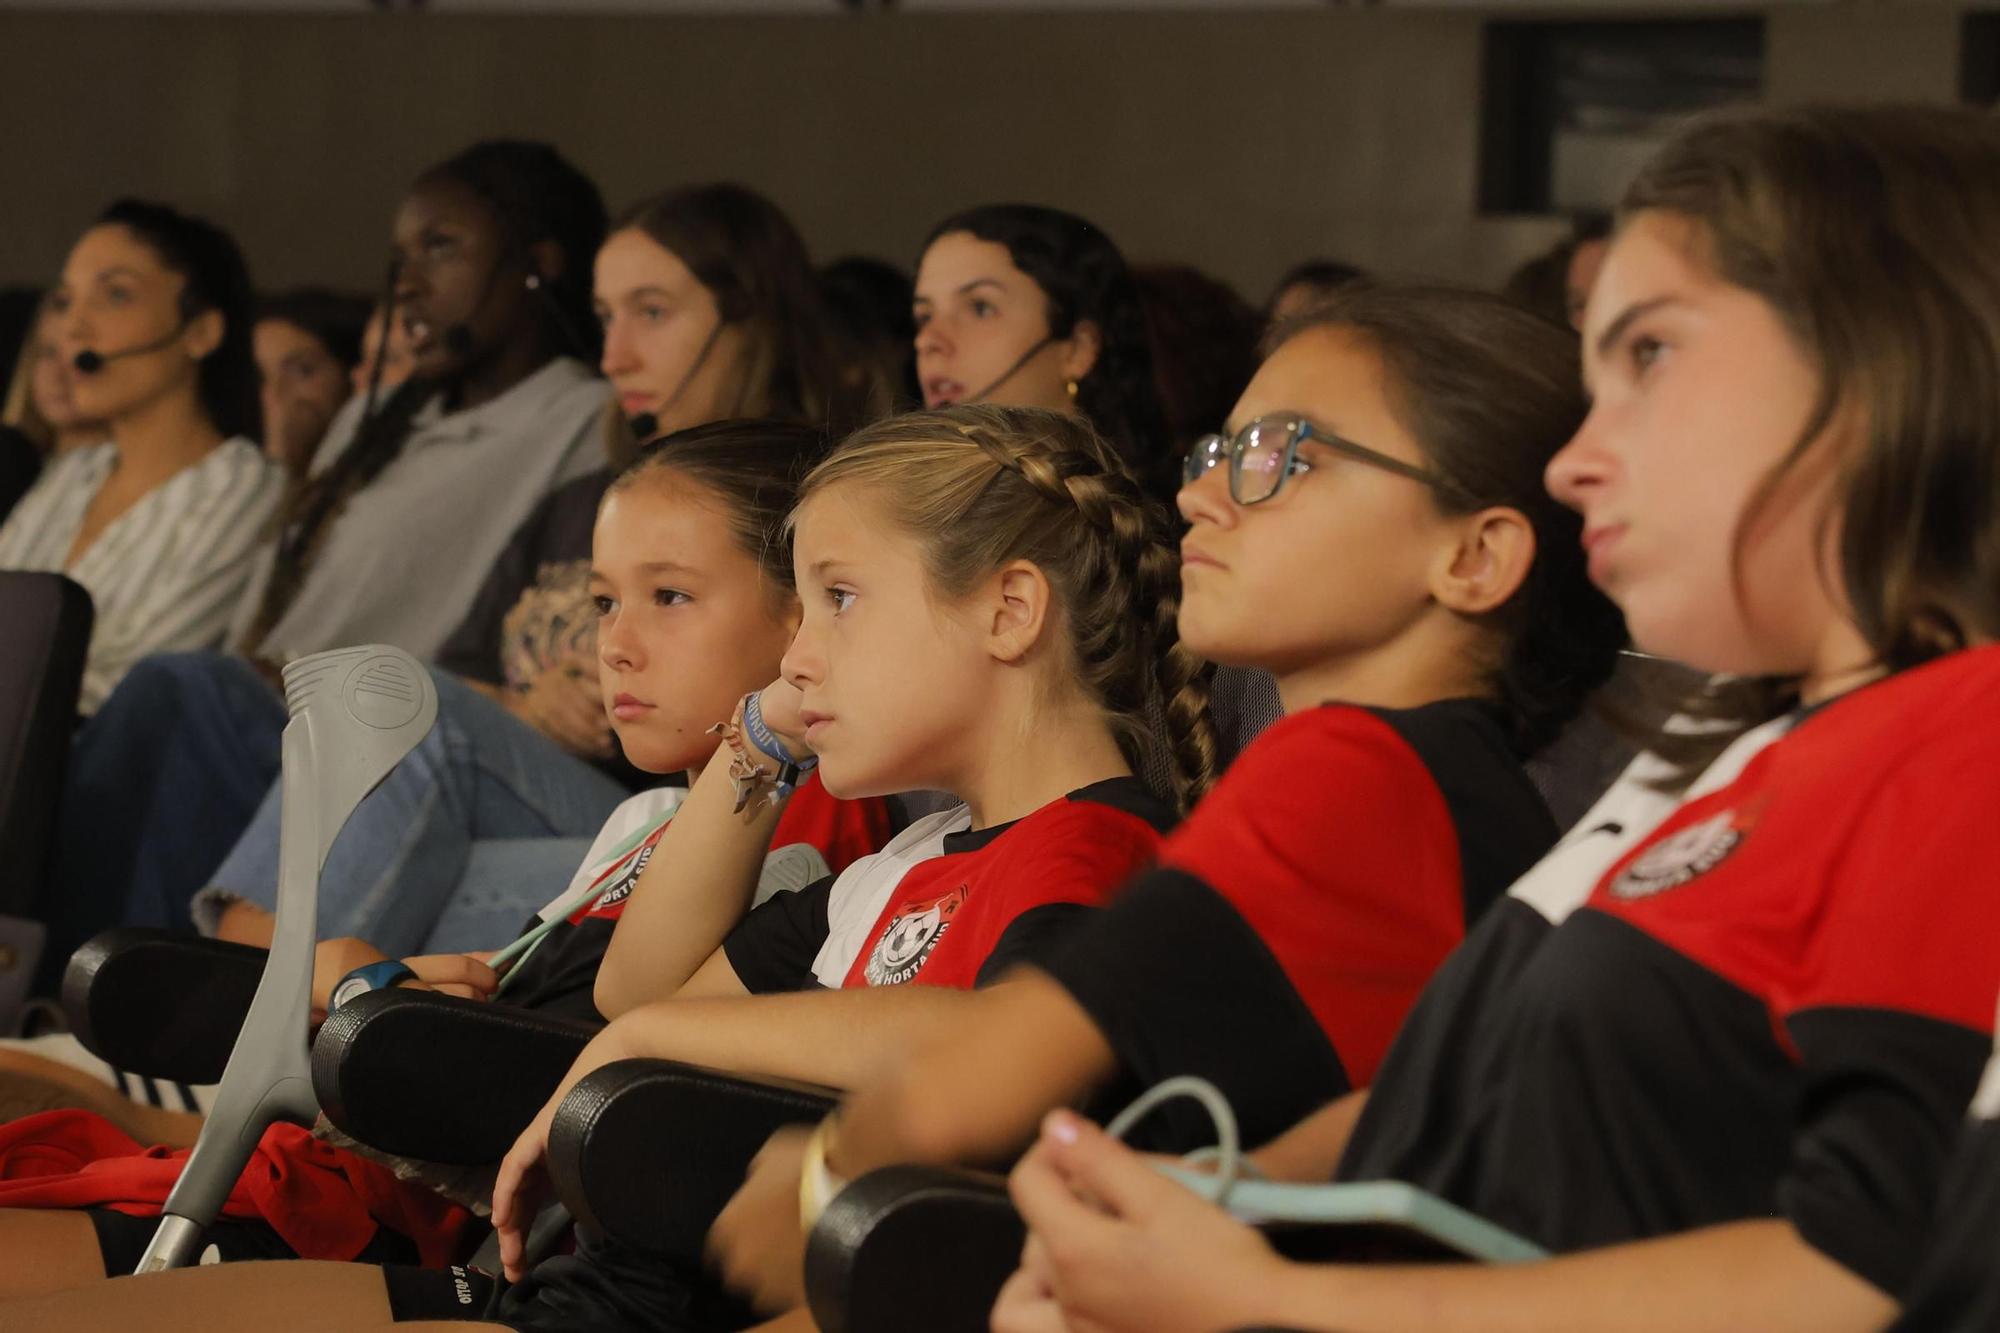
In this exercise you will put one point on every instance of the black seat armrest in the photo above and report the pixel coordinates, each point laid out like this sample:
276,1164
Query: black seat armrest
438,1078
912,1249
158,1003
647,1152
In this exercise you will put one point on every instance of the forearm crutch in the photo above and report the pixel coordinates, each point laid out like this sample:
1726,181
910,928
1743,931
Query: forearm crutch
355,713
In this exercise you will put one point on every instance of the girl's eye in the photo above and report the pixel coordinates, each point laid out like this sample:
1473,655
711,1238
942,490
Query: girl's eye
1645,351
118,295
920,318
603,317
981,309
670,597
654,313
841,599
605,605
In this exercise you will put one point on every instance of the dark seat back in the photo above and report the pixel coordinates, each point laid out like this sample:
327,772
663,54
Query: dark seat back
45,624
46,620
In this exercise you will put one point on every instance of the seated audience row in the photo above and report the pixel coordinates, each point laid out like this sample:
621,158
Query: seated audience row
1713,1049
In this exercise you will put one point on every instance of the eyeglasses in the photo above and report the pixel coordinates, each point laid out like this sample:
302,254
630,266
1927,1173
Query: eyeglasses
1266,452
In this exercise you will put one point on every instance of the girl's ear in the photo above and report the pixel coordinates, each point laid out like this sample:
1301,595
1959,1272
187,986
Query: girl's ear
1016,610
1487,564
204,334
1086,344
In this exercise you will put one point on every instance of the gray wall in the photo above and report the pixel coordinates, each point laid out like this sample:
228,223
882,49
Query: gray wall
1236,141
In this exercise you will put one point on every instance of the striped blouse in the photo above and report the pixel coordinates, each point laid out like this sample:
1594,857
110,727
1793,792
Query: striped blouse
166,575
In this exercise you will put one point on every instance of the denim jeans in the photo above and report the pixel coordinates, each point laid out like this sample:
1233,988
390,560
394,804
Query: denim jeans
402,874
161,781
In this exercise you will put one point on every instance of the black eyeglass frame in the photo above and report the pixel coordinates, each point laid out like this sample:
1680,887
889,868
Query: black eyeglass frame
1209,451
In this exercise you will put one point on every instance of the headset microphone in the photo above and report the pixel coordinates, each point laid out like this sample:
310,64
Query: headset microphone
89,361
646,425
1006,374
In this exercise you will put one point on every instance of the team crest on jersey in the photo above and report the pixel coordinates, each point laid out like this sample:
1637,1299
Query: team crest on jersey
613,900
1692,852
907,944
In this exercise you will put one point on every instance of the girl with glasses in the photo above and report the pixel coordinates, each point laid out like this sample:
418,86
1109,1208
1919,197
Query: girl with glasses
1422,604
1714,1051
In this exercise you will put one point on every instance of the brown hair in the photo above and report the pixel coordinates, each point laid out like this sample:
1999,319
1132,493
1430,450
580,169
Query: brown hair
1490,391
755,468
745,251
983,485
1870,232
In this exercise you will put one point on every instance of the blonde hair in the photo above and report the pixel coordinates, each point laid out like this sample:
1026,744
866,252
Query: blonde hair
984,485
19,410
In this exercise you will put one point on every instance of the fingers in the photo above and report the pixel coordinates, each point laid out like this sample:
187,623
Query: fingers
1051,1208
1099,1167
454,973
515,1201
1026,1305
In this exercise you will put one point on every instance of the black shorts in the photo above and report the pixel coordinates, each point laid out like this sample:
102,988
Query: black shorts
603,1288
417,1294
122,1239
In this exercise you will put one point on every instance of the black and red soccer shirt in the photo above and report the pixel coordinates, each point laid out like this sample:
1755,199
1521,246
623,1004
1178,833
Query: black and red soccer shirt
957,907
560,976
1297,914
1957,1288
1770,998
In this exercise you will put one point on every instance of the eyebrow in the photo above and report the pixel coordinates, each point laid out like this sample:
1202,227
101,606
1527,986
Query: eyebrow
1616,328
667,567
125,269
818,568
637,292
981,282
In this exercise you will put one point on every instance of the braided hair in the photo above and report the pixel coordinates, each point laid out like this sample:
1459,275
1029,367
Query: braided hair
535,195
984,484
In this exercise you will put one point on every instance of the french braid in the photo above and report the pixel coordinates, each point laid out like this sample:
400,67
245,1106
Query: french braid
983,485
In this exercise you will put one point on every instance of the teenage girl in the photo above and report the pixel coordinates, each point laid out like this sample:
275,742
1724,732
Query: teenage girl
1715,1050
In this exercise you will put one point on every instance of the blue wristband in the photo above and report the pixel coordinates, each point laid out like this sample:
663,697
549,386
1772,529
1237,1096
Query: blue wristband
369,976
770,746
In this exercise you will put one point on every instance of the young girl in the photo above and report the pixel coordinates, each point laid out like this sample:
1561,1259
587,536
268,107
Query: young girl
692,575
1032,306
389,542
968,580
308,343
1723,1041
160,522
709,311
1373,530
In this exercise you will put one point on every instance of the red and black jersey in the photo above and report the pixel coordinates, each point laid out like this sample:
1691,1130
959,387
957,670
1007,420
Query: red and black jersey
1297,914
1957,1288
1770,998
962,906
561,975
